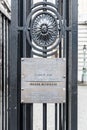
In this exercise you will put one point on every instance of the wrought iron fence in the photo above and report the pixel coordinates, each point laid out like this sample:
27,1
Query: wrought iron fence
4,44
18,115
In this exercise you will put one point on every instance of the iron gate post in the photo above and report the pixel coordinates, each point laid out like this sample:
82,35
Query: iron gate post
71,56
13,77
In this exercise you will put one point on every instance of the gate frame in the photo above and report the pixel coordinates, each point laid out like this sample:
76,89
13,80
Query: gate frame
72,62
71,58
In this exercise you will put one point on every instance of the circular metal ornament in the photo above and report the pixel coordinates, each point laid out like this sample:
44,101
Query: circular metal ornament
46,48
44,29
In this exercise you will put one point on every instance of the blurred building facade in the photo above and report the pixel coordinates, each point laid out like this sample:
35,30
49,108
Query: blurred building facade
82,37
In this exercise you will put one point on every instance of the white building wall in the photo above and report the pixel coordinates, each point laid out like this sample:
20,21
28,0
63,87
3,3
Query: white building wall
82,10
82,34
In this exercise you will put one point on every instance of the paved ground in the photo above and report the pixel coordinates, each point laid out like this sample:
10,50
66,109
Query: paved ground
82,108
82,112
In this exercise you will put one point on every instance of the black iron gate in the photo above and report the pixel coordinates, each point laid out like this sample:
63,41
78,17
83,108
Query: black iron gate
63,13
4,44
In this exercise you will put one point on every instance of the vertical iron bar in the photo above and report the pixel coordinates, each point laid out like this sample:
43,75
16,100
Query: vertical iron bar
24,25
13,67
29,107
24,117
8,70
24,55
56,116
64,116
5,74
8,22
3,83
73,58
29,54
67,57
44,111
72,66
20,54
60,45
28,10
64,56
44,116
20,23
29,117
1,69
60,121
64,23
60,9
60,105
19,82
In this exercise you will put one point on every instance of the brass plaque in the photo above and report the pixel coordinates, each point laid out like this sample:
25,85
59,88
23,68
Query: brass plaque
43,80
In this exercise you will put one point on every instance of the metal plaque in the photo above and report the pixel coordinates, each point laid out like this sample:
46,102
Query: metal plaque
43,80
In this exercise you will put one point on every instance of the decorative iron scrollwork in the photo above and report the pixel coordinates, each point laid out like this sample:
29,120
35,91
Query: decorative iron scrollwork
44,27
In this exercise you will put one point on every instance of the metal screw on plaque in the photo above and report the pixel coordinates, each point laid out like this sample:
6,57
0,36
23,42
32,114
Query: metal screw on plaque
64,76
63,89
22,59
22,75
22,89
22,101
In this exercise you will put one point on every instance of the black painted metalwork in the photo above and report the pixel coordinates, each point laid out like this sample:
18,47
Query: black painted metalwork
26,18
4,43
51,36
